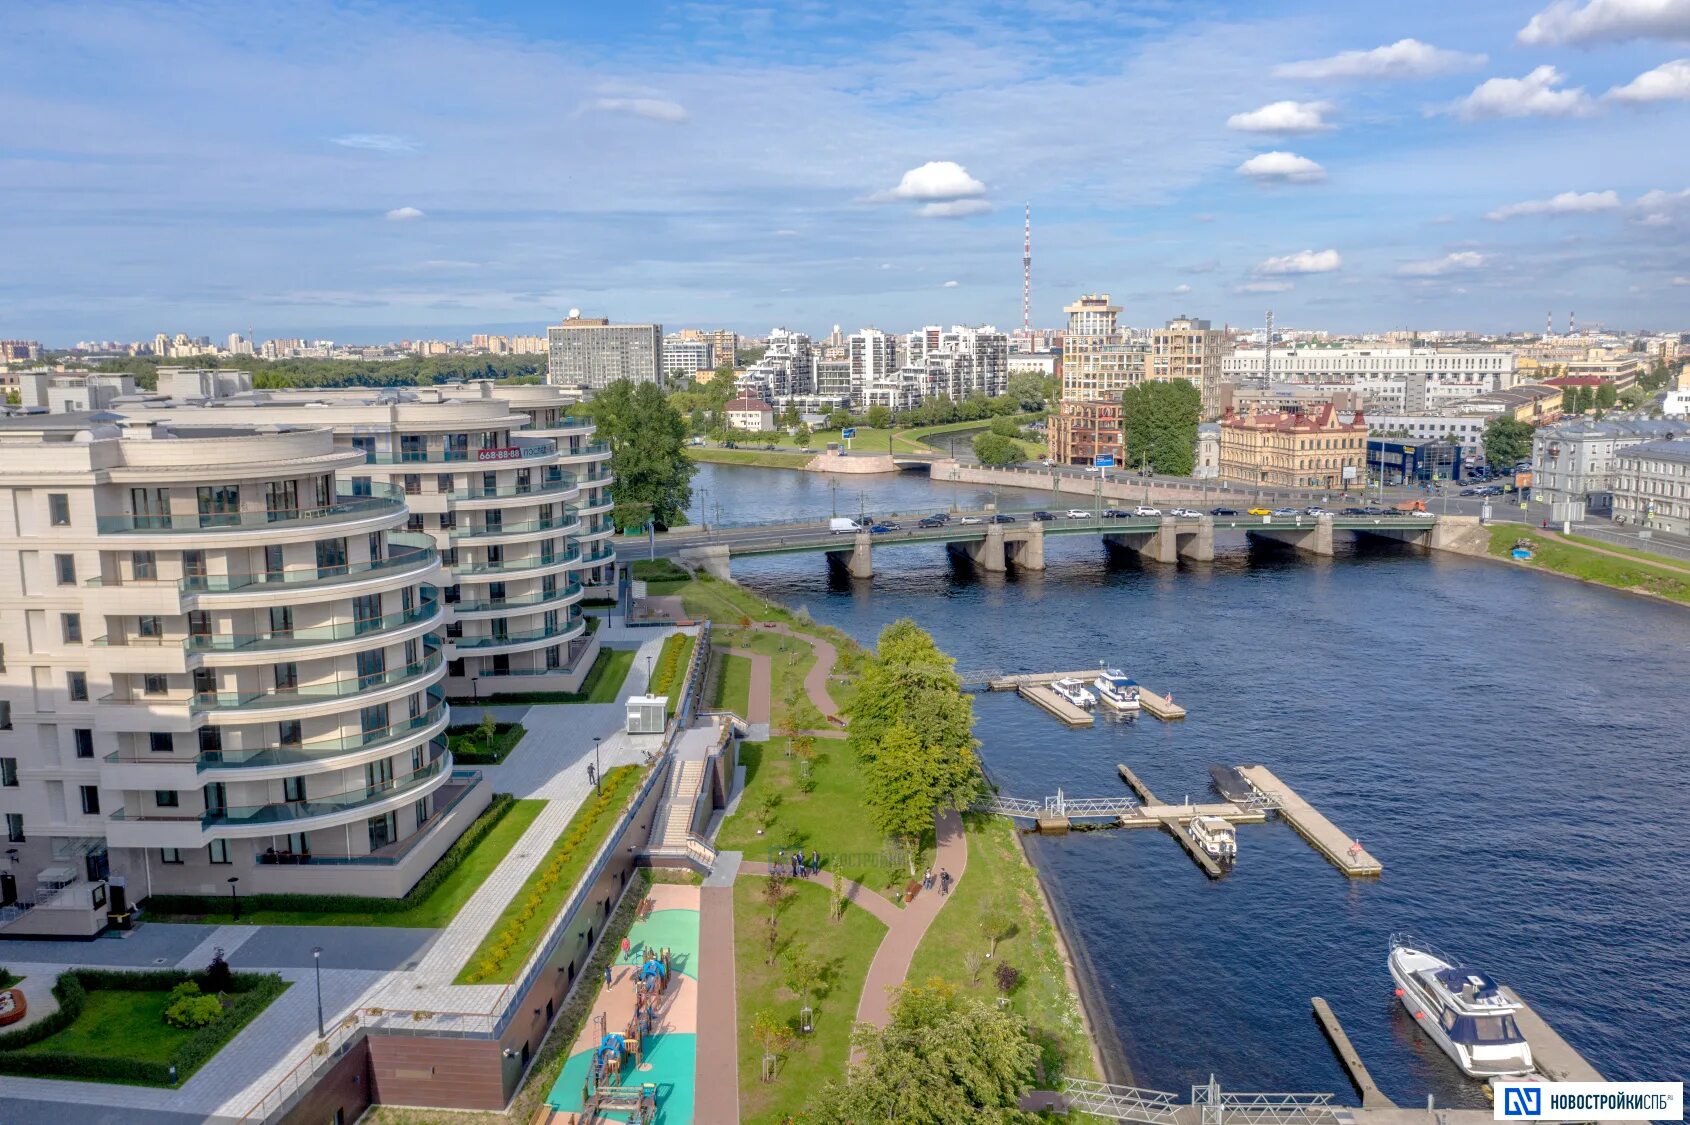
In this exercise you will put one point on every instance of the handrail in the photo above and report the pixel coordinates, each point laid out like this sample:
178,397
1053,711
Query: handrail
346,507
315,750
527,448
428,608
332,689
568,590
560,520
513,566
565,483
566,630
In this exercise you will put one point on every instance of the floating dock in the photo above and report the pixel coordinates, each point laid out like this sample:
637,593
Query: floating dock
1056,705
1151,703
1371,1096
1342,851
1152,813
1552,1056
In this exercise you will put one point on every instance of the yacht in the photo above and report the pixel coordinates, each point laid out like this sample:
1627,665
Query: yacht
1116,690
1074,692
1462,1009
1214,836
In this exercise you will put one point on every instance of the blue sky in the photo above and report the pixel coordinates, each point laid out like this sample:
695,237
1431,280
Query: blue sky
376,170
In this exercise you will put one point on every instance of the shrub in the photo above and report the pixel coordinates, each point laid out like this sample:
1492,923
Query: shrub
218,978
1007,977
191,1012
184,990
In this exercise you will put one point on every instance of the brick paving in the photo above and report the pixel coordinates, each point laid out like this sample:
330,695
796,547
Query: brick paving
762,679
717,1082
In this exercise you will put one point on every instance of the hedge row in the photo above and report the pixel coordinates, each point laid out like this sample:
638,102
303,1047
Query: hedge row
347,904
253,992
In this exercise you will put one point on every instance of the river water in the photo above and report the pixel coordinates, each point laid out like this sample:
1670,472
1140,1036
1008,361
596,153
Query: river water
1511,746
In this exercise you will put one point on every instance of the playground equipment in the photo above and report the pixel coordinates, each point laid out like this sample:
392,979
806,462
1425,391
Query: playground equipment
639,1103
607,1060
654,974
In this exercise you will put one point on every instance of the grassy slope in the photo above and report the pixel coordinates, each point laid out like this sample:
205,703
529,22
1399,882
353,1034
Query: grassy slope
1570,558
733,684
602,685
432,913
846,947
996,867
760,457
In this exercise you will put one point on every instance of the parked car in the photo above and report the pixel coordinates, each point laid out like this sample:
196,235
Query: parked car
1078,514
1041,516
1261,511
1146,510
730,445
1223,511
1001,518
1469,492
970,519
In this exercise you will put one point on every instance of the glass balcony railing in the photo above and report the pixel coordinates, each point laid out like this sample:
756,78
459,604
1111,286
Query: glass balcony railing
427,609
567,519
562,594
565,483
564,630
341,687
517,566
520,449
602,552
587,449
279,812
344,509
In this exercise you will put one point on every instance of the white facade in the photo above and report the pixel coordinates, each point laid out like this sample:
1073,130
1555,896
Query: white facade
1574,463
958,363
686,358
1466,431
593,353
786,369
1395,380
1652,486
875,376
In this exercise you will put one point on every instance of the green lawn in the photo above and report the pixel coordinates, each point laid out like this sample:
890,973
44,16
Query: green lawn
602,685
525,919
469,748
7,980
996,868
733,684
432,912
759,457
117,1024
790,659
1570,558
659,570
670,676
846,947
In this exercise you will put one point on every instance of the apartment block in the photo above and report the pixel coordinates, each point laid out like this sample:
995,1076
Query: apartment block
684,359
1294,450
593,353
1188,348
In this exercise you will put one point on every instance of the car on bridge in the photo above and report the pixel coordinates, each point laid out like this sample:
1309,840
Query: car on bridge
1261,511
882,528
1284,512
1315,510
970,520
929,521
1353,512
942,517
1115,514
1223,511
1041,516
1185,514
1078,514
1001,518
1146,510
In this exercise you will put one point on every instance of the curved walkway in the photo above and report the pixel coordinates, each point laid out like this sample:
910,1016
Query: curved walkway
761,683
875,904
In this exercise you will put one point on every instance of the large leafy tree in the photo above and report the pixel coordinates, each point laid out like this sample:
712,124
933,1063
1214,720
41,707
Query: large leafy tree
995,449
940,1060
1507,442
647,439
1159,419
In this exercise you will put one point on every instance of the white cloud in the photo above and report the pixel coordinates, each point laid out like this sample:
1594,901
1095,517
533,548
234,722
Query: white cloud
1681,280
1263,287
1304,261
785,232
1282,167
948,285
1564,203
1449,263
403,215
1608,20
937,179
953,208
1658,208
376,142
1283,117
652,109
1667,82
1182,288
1406,58
1535,95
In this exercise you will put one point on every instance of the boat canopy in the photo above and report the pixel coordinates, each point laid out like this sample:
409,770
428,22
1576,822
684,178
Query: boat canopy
1457,979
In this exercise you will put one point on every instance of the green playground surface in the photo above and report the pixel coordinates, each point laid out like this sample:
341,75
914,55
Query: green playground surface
676,930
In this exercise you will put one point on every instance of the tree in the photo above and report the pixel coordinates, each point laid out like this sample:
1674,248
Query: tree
489,728
790,418
838,418
1507,442
1006,976
1606,396
972,961
1159,420
997,922
801,435
995,449
879,417
774,1035
1005,427
909,679
940,1059
647,439
1028,389
836,898
804,971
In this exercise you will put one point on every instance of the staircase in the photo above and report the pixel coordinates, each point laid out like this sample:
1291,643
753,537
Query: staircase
671,829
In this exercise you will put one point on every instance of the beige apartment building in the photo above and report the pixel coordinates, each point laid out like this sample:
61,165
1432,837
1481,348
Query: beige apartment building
1188,348
1287,450
228,632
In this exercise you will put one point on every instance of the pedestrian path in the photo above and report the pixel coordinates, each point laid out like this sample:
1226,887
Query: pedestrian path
663,1053
226,938
761,686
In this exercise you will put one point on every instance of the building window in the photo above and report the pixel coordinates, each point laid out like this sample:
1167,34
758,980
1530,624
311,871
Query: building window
422,812
14,828
149,625
90,799
8,773
58,509
218,851
72,625
167,798
77,684
293,789
211,743
161,742
144,565
287,677
170,855
154,684
289,733
65,565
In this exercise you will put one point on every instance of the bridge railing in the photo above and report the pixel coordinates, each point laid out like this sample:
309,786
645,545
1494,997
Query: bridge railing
1121,1103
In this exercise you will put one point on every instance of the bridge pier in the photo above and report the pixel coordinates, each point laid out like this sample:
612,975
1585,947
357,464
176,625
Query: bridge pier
1314,538
712,559
1201,546
1161,545
987,554
1027,550
858,562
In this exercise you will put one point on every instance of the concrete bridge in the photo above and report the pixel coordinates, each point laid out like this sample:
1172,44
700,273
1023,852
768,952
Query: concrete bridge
996,547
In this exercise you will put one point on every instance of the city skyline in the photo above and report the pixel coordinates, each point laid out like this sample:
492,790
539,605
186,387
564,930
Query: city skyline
1356,170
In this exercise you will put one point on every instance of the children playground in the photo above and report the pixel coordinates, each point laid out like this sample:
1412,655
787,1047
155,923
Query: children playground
634,1059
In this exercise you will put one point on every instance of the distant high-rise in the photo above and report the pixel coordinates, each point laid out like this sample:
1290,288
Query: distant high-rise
591,352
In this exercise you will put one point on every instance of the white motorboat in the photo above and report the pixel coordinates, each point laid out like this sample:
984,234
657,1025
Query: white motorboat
1116,689
1074,692
1214,836
1463,1010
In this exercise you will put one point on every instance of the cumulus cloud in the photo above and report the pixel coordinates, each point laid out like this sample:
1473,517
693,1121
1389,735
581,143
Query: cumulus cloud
1282,168
1667,82
1681,280
1406,58
1535,95
1182,288
936,180
1262,287
1449,263
949,285
1565,21
953,208
1659,208
1564,203
1283,117
652,109
1303,261
403,215
376,142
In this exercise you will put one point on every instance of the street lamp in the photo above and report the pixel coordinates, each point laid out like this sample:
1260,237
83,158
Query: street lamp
235,895
597,772
317,960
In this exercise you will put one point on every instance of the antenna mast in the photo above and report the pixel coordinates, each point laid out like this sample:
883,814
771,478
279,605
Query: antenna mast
1267,352
1027,278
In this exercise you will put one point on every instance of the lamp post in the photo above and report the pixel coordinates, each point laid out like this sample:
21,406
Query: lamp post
597,772
317,961
235,895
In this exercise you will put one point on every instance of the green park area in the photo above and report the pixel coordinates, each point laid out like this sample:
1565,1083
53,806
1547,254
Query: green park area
483,745
1589,560
602,685
731,676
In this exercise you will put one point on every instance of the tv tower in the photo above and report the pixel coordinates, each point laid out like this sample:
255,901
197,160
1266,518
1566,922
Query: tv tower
1548,324
1267,351
1027,277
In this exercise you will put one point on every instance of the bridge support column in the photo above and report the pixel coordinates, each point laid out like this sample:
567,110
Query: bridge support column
858,562
712,559
1027,550
1314,538
1200,547
1161,545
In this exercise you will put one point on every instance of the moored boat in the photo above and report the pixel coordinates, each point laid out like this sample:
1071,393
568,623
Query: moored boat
1230,783
1214,836
1074,692
1116,689
1463,1010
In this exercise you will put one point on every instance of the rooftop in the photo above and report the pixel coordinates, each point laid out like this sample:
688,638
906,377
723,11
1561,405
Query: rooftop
1670,450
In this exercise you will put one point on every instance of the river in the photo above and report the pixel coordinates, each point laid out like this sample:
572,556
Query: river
1511,746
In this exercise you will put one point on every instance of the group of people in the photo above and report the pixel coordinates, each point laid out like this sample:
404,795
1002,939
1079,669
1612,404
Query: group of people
944,878
798,865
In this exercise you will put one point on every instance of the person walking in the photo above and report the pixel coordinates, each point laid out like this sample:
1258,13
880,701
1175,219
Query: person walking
815,862
944,881
927,880
607,974
625,948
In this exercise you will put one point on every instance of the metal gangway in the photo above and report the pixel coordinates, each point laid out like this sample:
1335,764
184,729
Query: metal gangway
1121,1103
1058,807
1213,1105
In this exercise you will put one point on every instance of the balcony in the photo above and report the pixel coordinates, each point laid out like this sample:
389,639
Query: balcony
565,594
565,520
593,449
345,508
284,812
510,491
520,449
342,687
519,566
566,630
374,627
602,552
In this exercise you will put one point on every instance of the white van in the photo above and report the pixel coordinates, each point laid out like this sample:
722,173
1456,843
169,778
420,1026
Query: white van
839,525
